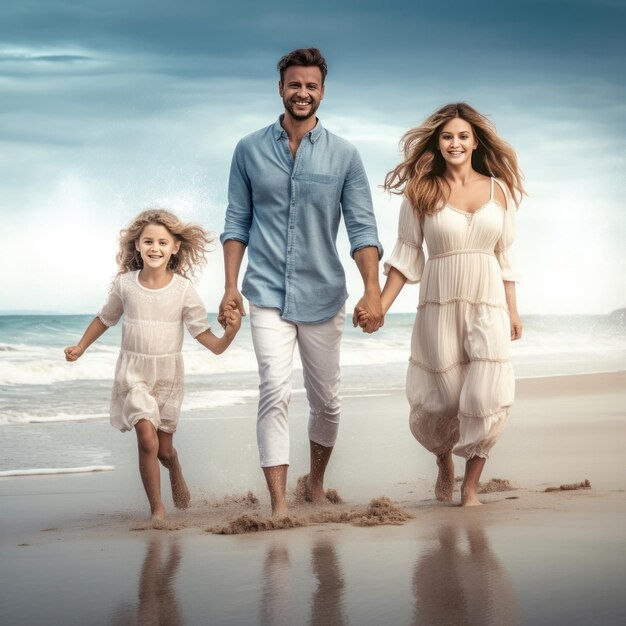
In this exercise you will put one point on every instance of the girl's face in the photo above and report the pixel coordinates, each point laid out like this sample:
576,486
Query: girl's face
457,142
156,245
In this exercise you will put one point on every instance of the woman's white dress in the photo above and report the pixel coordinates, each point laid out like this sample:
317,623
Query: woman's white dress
150,371
460,383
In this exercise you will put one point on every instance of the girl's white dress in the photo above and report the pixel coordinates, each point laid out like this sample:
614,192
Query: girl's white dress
460,383
149,373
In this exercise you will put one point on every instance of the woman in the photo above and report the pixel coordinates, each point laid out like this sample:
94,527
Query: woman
459,182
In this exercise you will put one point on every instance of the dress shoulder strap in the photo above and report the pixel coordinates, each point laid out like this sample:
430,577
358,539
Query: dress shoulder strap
491,192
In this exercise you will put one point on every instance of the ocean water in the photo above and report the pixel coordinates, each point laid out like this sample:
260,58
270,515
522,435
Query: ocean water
38,387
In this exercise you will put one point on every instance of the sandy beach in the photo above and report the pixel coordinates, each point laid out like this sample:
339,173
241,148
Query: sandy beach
75,549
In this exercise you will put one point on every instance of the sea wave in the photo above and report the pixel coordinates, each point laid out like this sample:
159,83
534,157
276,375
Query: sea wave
56,470
31,352
17,417
217,398
44,366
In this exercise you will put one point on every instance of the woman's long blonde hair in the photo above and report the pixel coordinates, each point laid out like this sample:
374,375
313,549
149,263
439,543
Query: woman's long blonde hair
195,242
420,176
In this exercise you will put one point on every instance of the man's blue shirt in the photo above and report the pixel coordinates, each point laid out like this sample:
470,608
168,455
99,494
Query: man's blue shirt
287,212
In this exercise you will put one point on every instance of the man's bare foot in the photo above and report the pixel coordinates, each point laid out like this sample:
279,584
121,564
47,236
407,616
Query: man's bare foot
444,487
314,491
280,511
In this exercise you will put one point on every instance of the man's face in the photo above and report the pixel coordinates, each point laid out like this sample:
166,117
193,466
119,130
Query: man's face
302,91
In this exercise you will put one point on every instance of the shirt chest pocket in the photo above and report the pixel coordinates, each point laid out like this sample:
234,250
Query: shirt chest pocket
319,189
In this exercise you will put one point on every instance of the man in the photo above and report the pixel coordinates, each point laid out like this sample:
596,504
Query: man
289,185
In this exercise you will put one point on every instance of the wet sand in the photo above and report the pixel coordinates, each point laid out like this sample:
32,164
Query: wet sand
75,549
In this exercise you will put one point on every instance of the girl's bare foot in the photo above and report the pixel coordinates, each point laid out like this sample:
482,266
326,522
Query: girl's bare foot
444,487
180,491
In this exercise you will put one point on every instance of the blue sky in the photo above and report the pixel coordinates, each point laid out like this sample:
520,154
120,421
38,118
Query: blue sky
110,107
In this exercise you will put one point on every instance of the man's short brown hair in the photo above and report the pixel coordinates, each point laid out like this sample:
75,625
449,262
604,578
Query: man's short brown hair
305,57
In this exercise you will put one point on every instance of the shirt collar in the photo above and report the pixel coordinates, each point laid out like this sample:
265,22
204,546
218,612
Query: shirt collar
313,134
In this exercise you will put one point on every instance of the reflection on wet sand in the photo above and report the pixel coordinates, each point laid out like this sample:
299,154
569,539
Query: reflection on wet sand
276,592
156,603
455,584
326,600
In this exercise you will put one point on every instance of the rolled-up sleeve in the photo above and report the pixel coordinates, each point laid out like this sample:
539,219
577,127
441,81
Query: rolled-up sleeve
505,250
113,308
194,312
358,209
239,210
408,256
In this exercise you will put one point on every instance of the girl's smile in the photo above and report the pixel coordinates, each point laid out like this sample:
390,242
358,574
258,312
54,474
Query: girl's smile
156,245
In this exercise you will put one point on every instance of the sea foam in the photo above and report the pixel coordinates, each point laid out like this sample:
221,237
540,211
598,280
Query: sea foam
56,470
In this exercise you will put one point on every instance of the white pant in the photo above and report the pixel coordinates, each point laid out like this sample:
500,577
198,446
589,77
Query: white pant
274,340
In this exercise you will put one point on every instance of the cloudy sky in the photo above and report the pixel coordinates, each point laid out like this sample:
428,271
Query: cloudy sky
108,107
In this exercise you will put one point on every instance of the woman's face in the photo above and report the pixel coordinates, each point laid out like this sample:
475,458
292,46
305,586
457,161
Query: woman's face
457,142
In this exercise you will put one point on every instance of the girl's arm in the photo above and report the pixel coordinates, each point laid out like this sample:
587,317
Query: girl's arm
95,330
511,302
217,345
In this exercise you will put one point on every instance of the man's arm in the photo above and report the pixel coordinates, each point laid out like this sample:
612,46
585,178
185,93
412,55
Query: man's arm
367,262
236,232
365,248
233,256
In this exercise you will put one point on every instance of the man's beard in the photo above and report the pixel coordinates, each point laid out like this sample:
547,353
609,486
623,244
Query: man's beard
289,107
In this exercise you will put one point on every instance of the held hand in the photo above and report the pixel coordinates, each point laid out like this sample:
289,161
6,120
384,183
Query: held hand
73,353
516,327
370,310
363,318
232,300
232,320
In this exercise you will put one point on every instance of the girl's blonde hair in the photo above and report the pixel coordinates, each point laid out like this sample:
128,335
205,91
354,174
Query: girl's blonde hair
420,176
195,242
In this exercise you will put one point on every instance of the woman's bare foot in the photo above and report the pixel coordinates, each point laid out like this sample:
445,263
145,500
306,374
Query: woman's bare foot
469,487
469,498
158,514
444,487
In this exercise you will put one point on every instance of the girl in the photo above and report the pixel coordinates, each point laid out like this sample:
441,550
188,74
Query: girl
459,181
158,253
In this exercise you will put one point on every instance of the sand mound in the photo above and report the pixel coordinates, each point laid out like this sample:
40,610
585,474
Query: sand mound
379,512
247,523
300,496
249,500
494,485
585,484
333,497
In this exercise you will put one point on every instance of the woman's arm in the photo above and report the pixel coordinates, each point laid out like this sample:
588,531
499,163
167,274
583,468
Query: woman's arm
393,286
511,302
